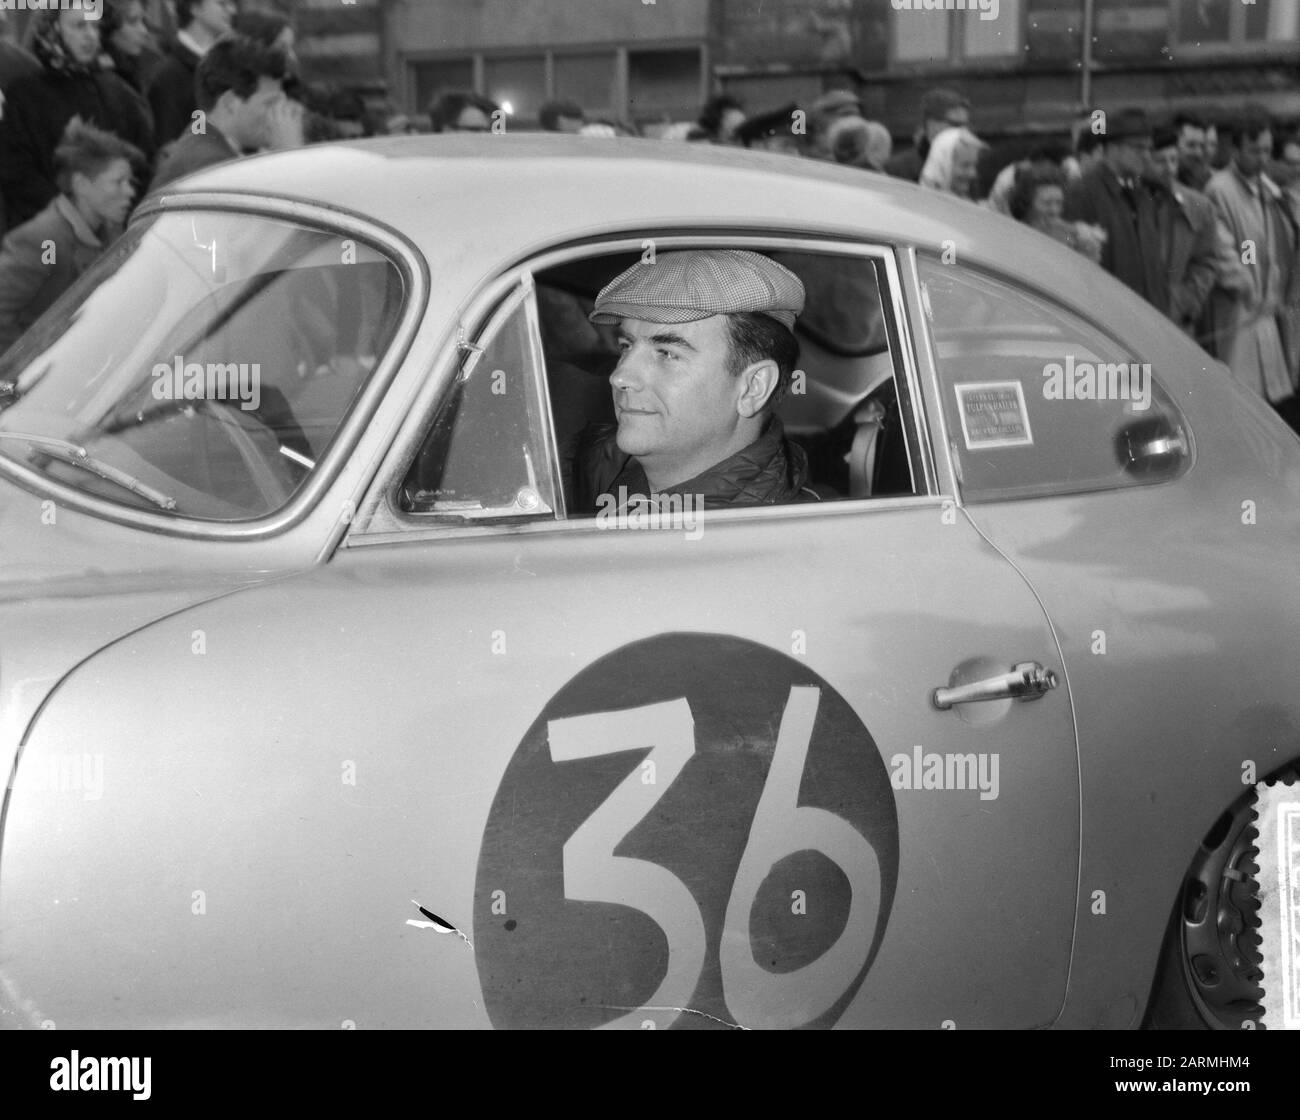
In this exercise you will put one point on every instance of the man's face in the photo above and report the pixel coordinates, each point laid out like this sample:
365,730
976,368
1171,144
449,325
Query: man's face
1165,162
214,16
954,118
1129,156
676,401
108,194
252,114
1252,152
80,35
1191,147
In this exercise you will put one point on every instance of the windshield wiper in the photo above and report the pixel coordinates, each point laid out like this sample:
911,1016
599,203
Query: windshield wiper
77,456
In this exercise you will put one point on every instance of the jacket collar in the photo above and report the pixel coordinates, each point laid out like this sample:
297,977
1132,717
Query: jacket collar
80,227
1106,175
1265,185
769,463
771,468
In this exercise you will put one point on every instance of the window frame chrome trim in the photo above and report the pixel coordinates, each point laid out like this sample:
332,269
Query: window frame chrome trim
380,521
328,220
999,275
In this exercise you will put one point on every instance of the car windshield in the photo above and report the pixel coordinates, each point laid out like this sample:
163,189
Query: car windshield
203,365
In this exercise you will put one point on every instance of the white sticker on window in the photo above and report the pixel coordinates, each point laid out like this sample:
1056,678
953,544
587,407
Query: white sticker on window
993,414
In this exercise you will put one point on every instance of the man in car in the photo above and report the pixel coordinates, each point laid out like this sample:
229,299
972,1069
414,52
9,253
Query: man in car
707,352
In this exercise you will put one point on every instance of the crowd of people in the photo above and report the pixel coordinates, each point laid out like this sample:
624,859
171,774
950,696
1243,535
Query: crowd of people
94,113
1200,216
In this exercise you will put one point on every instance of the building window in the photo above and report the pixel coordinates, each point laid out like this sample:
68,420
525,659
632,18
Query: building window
518,85
942,36
1219,23
663,85
588,79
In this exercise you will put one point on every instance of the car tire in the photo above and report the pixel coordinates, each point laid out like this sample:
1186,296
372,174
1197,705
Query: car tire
1209,973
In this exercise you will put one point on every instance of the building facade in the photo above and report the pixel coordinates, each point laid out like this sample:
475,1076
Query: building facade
1028,65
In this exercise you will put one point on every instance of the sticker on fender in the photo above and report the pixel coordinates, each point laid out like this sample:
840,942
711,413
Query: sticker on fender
697,831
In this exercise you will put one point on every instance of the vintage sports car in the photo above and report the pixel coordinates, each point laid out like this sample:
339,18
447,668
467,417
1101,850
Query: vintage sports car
320,709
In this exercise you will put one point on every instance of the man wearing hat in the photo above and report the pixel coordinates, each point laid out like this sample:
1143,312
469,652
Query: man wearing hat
707,351
1112,194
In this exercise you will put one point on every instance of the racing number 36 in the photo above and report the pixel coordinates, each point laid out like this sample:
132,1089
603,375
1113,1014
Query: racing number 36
780,828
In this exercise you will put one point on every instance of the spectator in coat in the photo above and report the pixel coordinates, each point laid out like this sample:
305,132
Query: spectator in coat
41,258
170,88
1112,194
1287,167
126,40
1089,151
940,108
15,63
953,163
1188,235
38,108
1250,324
240,91
1193,162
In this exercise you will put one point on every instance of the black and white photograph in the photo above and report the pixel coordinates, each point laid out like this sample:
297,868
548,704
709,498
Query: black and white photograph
650,515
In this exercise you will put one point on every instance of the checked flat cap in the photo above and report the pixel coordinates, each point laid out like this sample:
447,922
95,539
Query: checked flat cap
683,287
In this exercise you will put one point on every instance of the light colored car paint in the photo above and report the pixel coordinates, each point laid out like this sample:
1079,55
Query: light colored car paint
380,655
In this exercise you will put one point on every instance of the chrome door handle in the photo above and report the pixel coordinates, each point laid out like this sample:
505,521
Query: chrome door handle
1027,681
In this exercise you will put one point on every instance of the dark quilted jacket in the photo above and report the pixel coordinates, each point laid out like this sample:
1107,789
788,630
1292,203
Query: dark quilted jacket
771,470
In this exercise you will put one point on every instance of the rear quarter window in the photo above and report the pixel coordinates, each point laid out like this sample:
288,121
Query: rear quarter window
1039,401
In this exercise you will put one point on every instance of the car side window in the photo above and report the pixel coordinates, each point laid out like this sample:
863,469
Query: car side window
1039,401
485,456
843,409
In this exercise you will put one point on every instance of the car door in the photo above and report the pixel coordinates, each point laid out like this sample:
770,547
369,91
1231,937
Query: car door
683,772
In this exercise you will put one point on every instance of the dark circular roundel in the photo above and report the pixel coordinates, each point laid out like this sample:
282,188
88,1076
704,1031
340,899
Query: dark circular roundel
697,831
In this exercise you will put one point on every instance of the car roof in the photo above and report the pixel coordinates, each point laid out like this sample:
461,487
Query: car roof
472,204
535,186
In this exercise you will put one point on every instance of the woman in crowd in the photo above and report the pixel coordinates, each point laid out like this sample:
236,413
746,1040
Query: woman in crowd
953,162
126,40
1038,200
70,84
41,258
